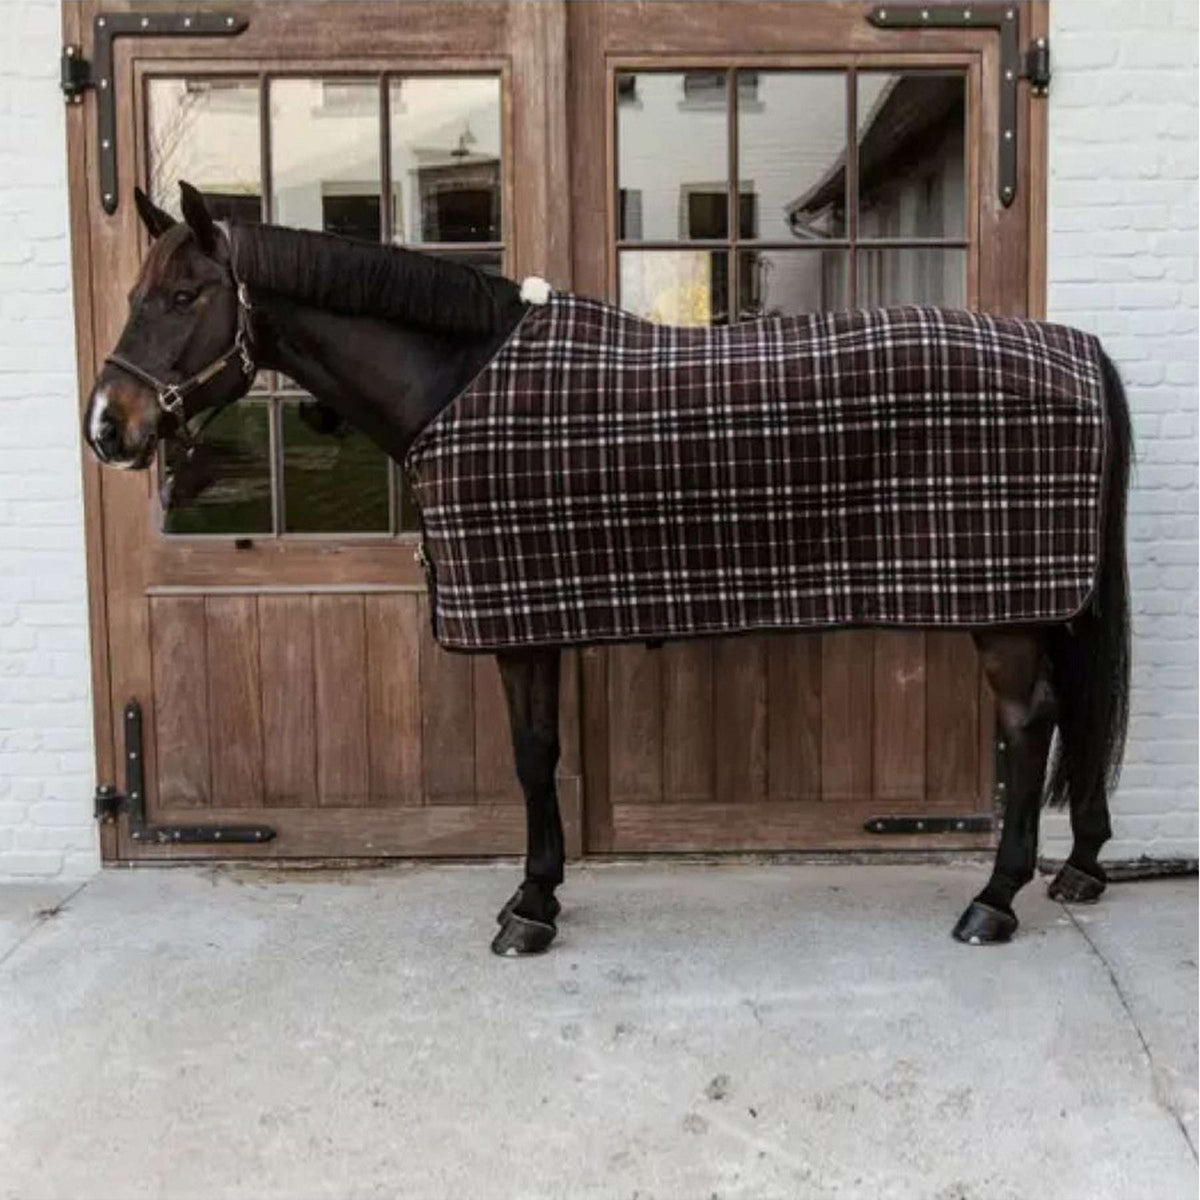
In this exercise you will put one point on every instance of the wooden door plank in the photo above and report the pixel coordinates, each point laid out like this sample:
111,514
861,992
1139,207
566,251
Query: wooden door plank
635,723
393,630
595,714
688,766
899,724
447,721
495,769
847,681
794,717
181,701
740,717
340,660
234,701
952,721
285,630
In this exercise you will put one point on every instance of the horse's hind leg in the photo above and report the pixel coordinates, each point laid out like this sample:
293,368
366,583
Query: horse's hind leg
1019,674
1081,879
530,678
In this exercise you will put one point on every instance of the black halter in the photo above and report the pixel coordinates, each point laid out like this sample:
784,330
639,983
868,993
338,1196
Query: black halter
171,396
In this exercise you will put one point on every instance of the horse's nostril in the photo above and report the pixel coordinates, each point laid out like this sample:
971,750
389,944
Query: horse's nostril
108,437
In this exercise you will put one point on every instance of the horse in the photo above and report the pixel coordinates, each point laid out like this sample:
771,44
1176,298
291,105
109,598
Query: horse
389,337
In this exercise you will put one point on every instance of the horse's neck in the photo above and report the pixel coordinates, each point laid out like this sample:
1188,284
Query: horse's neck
387,380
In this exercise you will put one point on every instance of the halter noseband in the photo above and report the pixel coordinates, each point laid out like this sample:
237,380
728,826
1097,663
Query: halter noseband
171,396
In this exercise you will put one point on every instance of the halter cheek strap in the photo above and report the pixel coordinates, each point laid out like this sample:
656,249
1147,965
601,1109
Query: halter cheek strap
172,396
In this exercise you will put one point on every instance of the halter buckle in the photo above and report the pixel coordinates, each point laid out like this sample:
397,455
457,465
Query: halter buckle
170,400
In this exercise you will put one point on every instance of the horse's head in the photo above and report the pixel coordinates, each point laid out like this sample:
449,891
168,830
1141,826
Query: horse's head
182,349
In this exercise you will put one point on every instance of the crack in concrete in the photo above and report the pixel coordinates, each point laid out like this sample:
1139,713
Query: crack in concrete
40,918
1160,1097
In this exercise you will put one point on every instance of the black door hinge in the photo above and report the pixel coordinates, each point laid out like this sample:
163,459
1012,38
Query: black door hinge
110,803
78,74
1004,19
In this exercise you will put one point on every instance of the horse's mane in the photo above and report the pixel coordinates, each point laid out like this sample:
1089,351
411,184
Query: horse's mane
360,279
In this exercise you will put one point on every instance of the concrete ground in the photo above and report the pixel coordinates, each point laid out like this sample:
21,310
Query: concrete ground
776,1031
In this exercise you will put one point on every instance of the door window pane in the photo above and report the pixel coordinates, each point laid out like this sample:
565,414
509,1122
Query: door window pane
912,155
676,287
325,170
791,282
225,487
925,276
335,479
792,154
446,159
207,132
673,155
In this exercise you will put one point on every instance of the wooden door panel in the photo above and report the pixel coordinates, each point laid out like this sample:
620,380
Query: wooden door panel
234,701
181,699
900,699
340,685
393,624
286,639
794,718
689,747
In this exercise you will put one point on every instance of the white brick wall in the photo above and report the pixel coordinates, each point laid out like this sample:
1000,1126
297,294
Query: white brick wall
1122,253
1122,262
46,762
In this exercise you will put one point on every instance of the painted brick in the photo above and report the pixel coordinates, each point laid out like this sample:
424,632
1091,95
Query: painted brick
1122,254
1122,262
45,708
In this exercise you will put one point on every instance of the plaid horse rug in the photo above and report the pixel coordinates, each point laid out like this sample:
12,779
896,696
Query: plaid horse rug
606,479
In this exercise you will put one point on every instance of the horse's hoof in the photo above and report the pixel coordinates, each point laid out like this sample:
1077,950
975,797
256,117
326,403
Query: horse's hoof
519,936
553,908
982,925
1074,886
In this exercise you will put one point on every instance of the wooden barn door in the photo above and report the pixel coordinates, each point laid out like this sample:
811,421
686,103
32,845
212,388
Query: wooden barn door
269,619
733,160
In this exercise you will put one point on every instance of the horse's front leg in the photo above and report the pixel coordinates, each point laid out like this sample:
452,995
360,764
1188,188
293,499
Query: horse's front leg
1018,671
530,678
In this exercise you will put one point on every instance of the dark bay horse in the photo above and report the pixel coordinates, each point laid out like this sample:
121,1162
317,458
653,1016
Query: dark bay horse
387,337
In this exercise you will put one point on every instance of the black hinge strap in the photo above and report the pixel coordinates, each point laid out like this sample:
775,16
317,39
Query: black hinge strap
77,74
109,802
1005,19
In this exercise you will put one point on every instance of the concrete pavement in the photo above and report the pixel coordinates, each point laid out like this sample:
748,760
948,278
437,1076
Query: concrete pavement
752,1031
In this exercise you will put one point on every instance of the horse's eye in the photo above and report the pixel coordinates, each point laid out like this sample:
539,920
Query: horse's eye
182,298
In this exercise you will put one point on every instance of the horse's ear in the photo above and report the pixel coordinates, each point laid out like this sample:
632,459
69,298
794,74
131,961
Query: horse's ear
153,217
196,214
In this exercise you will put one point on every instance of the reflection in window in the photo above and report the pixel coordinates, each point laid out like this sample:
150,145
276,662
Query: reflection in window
793,145
668,147
676,287
225,485
207,132
930,275
445,140
334,478
325,155
790,282
912,155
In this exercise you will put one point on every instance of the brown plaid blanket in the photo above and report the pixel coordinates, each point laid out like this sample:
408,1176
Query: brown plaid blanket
607,479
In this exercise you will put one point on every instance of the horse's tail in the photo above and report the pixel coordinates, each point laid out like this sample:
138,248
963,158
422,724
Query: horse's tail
1090,656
